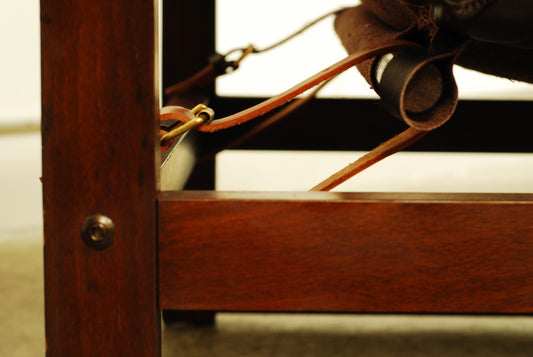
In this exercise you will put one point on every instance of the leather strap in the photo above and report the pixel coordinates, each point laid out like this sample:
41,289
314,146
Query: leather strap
201,78
417,86
219,64
386,149
176,112
267,123
391,146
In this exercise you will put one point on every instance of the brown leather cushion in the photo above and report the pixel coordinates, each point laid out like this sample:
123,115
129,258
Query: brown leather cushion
380,20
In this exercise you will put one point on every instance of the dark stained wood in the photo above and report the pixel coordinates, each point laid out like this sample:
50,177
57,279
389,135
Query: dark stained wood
351,252
188,42
99,122
188,38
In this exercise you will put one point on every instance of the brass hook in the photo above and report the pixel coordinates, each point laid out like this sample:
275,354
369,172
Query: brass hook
245,53
203,115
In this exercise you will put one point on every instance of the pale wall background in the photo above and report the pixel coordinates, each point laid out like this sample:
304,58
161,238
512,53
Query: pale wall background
20,163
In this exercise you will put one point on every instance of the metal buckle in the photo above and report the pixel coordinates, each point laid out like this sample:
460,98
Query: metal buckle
203,115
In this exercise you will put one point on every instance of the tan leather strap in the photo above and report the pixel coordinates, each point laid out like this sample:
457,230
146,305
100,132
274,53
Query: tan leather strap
176,112
267,123
218,65
201,78
391,146
386,149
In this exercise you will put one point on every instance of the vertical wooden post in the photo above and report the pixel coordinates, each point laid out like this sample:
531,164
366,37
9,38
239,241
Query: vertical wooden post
188,38
188,41
99,119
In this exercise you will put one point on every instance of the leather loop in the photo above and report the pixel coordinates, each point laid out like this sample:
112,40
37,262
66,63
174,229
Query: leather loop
418,86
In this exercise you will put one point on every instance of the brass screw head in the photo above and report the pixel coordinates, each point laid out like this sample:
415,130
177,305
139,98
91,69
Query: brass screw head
98,231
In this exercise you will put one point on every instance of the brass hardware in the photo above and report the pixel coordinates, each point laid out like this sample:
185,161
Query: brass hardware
98,231
203,115
198,109
244,54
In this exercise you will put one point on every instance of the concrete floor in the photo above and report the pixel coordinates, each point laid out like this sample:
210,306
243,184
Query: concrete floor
22,331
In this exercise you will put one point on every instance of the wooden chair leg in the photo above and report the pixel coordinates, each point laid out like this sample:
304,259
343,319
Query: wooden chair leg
99,122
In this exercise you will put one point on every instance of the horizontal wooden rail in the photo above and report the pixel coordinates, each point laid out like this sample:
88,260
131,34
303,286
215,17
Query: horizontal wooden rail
346,252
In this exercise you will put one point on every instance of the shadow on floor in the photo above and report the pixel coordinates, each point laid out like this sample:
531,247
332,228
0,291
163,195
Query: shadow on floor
351,335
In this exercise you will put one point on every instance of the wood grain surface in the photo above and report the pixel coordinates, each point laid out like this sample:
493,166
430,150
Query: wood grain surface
351,252
99,118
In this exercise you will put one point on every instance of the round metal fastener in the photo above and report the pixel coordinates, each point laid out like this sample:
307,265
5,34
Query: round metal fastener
98,231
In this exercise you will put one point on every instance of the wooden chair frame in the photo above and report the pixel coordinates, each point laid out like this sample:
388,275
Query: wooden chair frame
216,251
